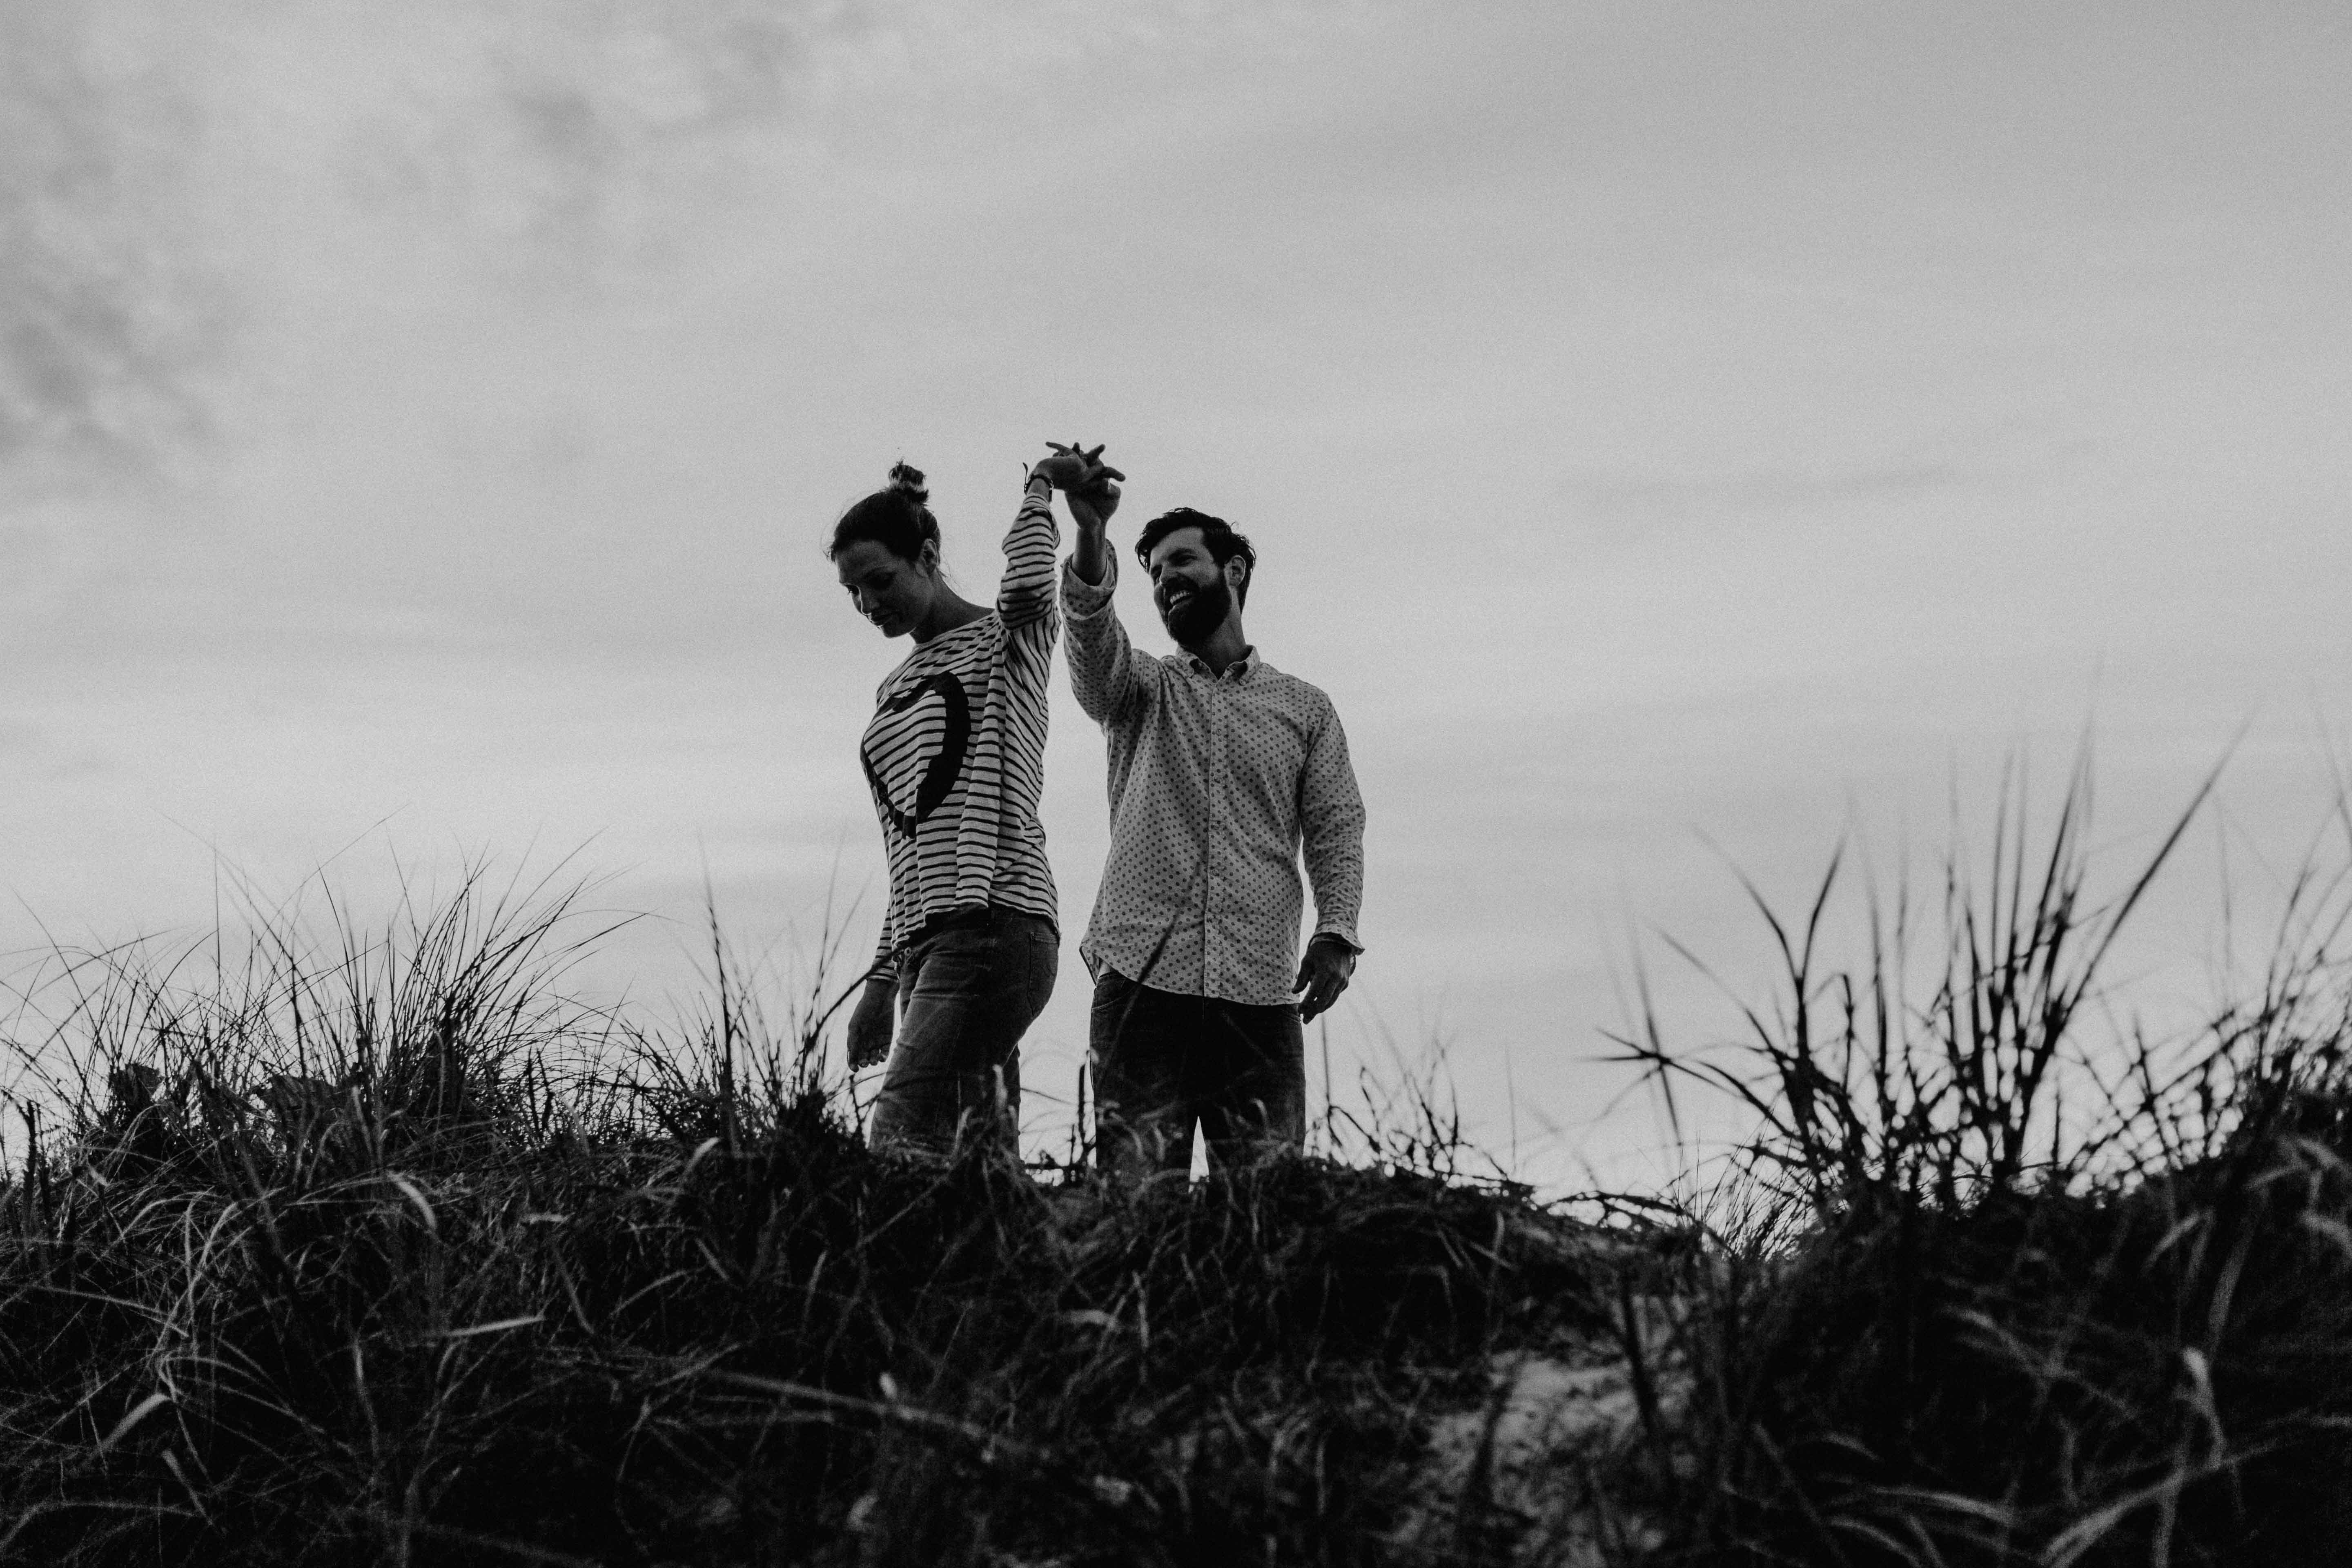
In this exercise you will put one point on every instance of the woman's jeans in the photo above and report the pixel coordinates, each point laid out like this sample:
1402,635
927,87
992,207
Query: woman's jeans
968,989
1163,1061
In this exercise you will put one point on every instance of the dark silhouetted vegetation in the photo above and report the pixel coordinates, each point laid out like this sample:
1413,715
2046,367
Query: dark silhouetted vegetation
387,1254
2002,1283
395,1258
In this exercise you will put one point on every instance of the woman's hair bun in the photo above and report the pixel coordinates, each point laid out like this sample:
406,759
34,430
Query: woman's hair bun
893,517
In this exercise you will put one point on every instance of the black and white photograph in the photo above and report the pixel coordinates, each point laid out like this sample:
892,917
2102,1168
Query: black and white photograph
1355,782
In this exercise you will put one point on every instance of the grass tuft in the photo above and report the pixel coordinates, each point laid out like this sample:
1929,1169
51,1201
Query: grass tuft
1989,1287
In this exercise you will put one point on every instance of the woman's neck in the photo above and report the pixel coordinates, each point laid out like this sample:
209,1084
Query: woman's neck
948,611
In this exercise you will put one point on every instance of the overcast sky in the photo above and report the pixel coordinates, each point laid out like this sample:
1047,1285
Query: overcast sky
1674,433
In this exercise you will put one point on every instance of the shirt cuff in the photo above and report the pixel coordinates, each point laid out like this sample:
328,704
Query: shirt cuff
1080,597
1345,934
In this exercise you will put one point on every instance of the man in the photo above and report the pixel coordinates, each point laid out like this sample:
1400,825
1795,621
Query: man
1222,769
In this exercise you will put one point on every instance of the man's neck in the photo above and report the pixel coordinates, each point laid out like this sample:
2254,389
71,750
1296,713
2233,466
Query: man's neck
1222,648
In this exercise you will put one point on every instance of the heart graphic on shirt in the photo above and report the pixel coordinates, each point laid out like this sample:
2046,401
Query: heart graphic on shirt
940,773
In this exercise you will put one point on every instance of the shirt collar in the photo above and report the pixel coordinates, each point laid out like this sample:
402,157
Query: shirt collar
1241,669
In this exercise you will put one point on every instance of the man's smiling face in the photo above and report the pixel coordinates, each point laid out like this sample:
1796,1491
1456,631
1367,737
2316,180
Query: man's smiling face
1193,593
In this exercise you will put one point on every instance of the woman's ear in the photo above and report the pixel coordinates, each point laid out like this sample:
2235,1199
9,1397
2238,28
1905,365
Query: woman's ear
928,557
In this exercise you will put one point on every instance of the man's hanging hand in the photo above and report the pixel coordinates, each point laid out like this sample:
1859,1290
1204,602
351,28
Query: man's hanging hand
1323,973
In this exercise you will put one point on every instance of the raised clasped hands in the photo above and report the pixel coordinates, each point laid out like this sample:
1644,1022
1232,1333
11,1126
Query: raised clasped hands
1089,484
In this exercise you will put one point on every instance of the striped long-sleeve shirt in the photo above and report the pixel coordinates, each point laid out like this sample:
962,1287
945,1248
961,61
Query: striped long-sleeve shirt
1218,781
955,753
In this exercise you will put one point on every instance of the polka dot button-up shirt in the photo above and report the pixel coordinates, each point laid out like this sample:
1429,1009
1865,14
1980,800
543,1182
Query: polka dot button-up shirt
1218,783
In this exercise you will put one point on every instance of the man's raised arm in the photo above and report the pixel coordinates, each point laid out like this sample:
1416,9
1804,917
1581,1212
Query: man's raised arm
1092,558
1105,671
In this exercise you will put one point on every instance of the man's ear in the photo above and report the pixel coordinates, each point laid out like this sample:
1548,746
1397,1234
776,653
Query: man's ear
1237,574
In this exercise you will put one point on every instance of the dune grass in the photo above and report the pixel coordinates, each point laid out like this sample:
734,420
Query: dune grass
382,1252
388,1255
1998,1281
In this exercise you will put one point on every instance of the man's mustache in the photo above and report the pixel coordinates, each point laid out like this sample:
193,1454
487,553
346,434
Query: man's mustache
1189,609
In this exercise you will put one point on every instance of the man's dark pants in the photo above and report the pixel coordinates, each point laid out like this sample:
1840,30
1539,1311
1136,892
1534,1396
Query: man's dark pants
1163,1061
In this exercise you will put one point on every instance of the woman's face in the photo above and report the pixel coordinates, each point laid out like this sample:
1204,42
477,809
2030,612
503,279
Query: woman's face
888,590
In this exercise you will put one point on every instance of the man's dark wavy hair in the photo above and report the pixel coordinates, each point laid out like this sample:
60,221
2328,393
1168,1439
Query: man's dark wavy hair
1216,533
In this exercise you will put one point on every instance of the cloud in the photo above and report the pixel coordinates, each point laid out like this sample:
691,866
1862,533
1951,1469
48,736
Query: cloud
105,327
549,128
567,126
165,168
1647,496
1628,505
169,169
27,553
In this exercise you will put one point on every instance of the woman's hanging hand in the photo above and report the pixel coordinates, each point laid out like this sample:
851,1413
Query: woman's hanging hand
871,1024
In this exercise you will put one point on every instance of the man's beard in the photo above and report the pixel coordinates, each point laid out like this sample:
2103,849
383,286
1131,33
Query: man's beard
1201,615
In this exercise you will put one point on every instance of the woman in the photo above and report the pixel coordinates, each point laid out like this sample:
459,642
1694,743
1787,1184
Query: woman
955,756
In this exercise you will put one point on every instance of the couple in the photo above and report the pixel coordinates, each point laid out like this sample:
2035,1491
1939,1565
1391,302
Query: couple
1222,769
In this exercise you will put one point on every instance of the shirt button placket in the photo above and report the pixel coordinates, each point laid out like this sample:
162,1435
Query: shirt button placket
1210,961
